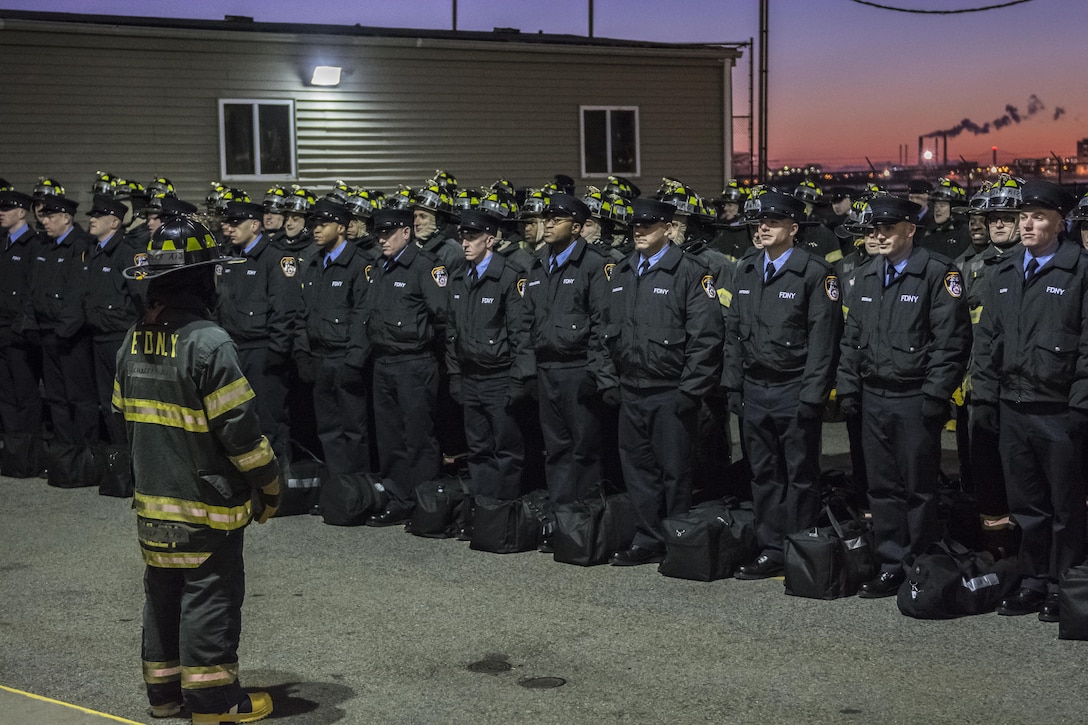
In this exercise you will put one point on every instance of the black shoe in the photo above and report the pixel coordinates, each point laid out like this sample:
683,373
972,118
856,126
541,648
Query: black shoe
885,585
635,555
546,547
389,517
463,534
764,567
1024,601
1051,609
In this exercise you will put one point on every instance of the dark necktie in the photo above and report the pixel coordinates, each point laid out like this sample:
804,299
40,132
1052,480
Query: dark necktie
473,276
552,268
643,267
892,274
768,273
1033,267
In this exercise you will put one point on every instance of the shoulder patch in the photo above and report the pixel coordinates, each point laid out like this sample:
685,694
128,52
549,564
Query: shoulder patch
608,269
954,284
289,265
831,287
440,276
708,286
521,286
366,271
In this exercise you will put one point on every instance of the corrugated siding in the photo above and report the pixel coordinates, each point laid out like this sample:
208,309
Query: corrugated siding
142,105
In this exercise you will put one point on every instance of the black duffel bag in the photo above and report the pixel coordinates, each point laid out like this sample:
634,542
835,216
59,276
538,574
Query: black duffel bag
506,527
1073,603
439,511
949,580
302,492
347,499
71,465
588,531
710,541
115,477
829,562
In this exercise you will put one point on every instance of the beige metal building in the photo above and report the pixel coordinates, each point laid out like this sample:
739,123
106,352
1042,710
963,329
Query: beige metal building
234,100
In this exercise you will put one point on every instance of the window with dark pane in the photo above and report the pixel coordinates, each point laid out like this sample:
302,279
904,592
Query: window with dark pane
596,141
624,142
238,139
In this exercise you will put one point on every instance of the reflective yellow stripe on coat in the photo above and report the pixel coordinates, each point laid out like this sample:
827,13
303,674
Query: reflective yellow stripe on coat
227,398
165,508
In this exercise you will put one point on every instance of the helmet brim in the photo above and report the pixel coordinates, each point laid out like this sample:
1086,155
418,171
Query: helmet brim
144,272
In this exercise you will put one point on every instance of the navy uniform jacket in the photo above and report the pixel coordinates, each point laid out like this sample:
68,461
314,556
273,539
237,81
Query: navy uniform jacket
663,328
950,239
16,259
335,307
56,288
111,303
1032,340
259,300
784,330
407,307
567,309
488,327
446,250
913,337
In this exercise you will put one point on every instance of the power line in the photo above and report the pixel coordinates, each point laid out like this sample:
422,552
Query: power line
940,12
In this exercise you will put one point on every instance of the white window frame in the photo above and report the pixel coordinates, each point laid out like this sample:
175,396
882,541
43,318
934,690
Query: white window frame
608,140
256,103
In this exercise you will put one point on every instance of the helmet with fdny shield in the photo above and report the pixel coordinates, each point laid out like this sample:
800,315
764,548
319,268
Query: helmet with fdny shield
180,243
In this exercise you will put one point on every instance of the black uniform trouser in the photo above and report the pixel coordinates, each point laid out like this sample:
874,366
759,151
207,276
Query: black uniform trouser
496,451
1044,470
857,457
68,383
192,623
270,388
987,476
20,399
784,455
572,433
105,370
341,406
405,389
902,457
656,451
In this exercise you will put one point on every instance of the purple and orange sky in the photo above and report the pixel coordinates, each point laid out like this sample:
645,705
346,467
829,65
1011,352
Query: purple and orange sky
846,80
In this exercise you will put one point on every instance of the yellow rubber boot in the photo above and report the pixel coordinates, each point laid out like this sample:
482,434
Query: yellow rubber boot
256,706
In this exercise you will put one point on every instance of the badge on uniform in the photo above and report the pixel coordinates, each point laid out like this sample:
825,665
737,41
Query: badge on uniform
954,284
521,286
608,271
831,287
289,266
218,270
708,286
440,276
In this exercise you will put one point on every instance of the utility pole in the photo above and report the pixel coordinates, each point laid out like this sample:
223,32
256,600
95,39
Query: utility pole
455,14
591,18
764,169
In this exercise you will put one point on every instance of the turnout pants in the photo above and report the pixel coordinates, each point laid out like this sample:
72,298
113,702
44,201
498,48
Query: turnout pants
496,450
656,451
1044,471
902,458
405,390
572,433
784,455
192,623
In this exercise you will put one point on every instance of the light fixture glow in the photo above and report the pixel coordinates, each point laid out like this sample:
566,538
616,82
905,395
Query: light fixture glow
326,75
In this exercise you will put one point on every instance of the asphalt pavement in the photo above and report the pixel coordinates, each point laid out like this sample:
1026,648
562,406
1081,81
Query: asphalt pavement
362,625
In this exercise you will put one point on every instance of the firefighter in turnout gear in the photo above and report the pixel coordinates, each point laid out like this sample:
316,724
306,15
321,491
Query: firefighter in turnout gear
203,472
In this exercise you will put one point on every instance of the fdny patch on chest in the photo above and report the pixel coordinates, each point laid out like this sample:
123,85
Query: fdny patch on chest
831,287
289,265
440,276
954,284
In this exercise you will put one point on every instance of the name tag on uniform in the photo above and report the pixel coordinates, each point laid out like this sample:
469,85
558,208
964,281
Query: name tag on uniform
534,283
617,289
744,292
400,284
457,297
866,299
251,272
106,269
1003,290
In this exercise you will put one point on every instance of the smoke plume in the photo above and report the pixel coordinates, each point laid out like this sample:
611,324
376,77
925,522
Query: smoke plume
1012,115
